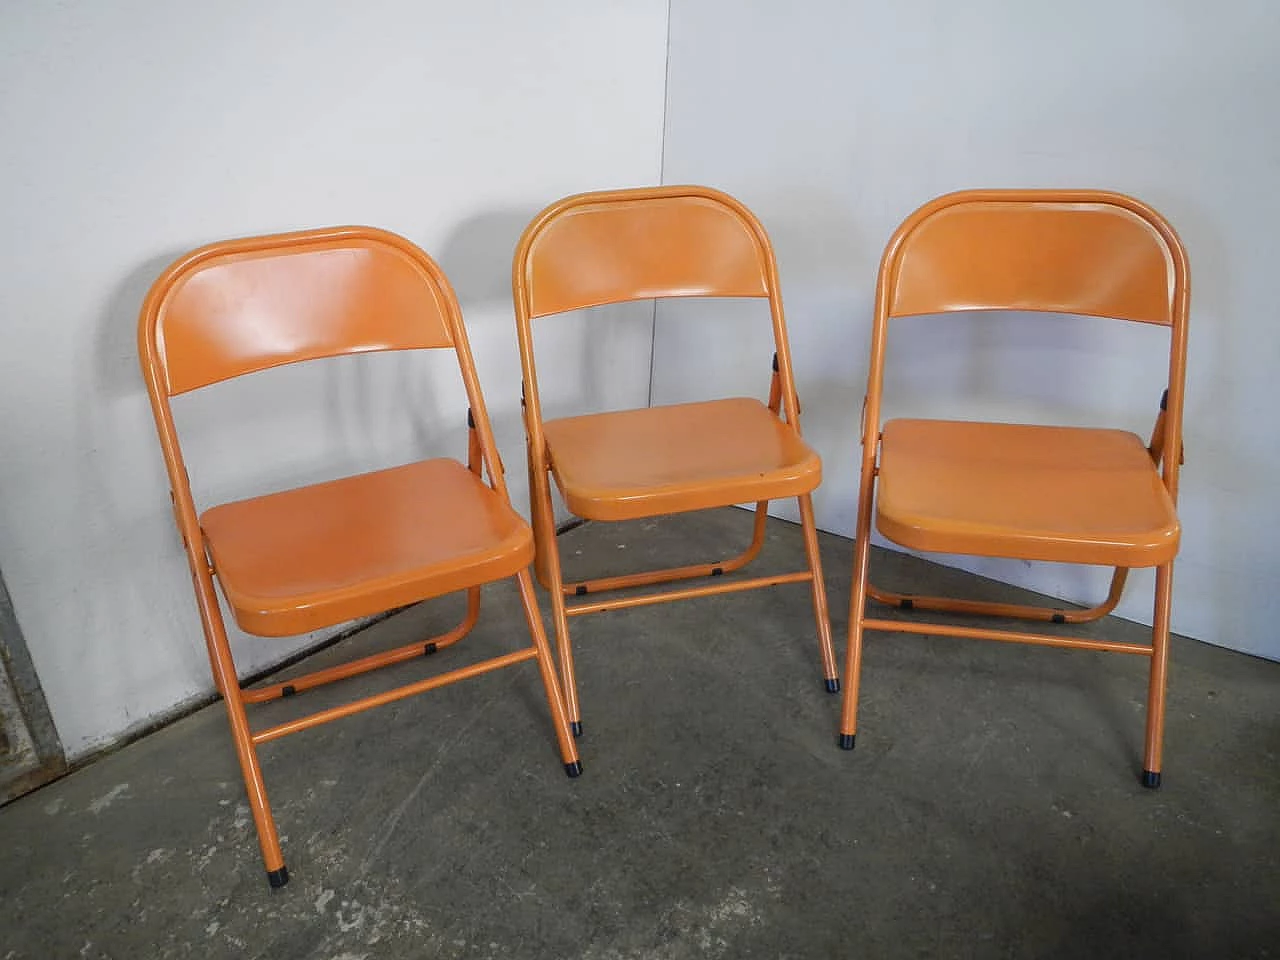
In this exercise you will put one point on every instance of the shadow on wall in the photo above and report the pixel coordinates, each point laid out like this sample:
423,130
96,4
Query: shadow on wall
115,347
120,499
826,266
477,257
586,360
1224,440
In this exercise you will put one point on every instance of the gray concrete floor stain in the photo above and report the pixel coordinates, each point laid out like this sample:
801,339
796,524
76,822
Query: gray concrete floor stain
991,809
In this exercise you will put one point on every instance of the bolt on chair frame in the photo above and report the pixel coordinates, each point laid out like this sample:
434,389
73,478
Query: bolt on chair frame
170,370
895,297
618,280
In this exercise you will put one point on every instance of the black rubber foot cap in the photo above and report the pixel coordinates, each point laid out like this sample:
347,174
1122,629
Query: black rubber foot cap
573,769
846,740
278,878
1150,780
833,686
576,727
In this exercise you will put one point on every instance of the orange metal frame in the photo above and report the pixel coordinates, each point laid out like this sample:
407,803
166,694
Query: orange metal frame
783,402
1165,449
482,458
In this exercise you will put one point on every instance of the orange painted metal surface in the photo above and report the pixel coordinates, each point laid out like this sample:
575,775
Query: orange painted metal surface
296,561
648,578
318,556
1079,252
233,308
1061,494
660,460
391,696
686,593
613,247
623,245
1070,494
1018,611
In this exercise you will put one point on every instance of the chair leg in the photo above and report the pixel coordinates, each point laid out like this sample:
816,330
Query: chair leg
982,608
224,674
547,668
1158,680
548,552
354,668
826,649
695,571
857,613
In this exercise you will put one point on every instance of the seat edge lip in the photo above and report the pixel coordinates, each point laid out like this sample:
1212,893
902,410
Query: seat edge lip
509,558
1155,551
591,505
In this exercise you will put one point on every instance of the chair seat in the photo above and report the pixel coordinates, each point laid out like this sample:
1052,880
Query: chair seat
690,456
321,555
1067,494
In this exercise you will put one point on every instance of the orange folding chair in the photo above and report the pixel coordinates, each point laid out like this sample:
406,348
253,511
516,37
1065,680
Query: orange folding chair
624,245
321,555
1065,494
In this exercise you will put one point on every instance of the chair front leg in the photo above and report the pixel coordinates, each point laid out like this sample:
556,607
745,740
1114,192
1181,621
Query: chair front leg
547,669
548,552
1157,683
224,675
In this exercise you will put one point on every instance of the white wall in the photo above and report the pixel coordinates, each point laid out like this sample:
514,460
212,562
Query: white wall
135,130
835,119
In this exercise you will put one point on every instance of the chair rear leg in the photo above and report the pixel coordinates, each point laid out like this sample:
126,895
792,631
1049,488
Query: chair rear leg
547,668
548,553
853,654
857,611
1158,680
826,649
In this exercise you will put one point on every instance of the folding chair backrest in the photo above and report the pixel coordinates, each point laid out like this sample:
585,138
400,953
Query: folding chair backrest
1079,252
617,246
242,306
247,305
1085,252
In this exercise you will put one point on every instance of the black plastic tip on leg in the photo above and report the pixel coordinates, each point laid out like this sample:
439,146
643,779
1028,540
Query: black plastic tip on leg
573,769
576,728
833,685
846,740
1150,779
278,878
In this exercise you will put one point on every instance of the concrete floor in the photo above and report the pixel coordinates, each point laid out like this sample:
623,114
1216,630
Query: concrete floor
992,808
